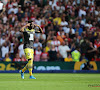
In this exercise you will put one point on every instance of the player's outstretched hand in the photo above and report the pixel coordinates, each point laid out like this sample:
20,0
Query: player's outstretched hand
41,31
22,29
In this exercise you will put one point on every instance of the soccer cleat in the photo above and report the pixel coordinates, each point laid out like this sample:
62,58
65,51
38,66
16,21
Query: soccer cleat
32,77
22,74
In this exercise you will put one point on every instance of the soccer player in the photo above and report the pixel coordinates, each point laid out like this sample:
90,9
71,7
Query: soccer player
28,32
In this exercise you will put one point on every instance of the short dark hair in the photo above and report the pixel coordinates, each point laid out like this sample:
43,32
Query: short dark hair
30,27
30,21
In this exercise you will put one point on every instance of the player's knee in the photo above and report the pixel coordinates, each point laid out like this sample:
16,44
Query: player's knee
30,66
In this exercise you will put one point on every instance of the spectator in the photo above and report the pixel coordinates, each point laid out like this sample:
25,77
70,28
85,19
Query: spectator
63,50
91,51
57,19
60,7
82,11
5,49
33,17
13,9
84,45
5,18
64,24
26,17
2,39
95,58
70,30
67,37
55,42
20,13
90,2
53,4
68,59
23,59
7,58
61,32
78,29
78,38
88,24
37,44
12,47
12,18
37,54
97,43
17,58
76,55
47,48
72,18
44,55
52,54
38,21
21,49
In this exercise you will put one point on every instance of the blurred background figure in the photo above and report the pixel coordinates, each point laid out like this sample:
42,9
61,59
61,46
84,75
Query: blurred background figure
7,58
76,55
52,53
4,49
17,58
63,50
37,54
23,59
20,49
44,55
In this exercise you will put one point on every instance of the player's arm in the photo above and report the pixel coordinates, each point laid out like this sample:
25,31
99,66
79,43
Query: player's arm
40,29
22,29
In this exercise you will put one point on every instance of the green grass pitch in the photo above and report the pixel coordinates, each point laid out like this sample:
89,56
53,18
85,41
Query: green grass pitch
49,81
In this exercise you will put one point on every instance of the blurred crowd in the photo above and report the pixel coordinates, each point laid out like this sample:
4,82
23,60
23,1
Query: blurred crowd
71,30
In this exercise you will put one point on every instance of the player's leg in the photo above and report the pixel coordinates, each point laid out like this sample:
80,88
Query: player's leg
26,51
29,56
22,74
25,68
30,65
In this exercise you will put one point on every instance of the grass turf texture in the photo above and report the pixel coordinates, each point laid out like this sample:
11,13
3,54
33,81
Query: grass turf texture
10,81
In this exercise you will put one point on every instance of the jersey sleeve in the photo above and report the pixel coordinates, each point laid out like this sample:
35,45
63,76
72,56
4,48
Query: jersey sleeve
36,31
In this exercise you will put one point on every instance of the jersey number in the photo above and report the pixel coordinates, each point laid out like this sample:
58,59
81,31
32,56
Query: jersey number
31,37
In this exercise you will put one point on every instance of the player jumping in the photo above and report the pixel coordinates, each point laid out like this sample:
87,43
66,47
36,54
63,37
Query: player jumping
28,32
